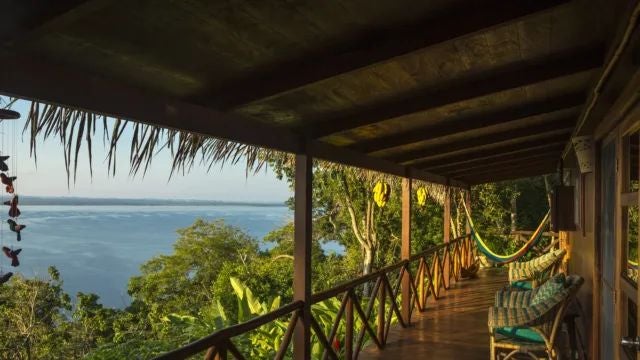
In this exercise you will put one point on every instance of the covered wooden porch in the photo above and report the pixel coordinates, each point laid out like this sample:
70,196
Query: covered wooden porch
453,327
448,92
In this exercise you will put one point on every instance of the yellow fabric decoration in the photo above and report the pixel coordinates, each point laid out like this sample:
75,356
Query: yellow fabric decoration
422,196
381,193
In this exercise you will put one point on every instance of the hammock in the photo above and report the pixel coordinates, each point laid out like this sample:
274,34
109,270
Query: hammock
504,259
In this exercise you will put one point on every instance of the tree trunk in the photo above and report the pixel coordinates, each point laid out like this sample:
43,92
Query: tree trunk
367,262
367,268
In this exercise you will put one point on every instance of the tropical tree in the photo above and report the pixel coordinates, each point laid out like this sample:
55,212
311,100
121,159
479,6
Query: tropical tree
32,318
182,280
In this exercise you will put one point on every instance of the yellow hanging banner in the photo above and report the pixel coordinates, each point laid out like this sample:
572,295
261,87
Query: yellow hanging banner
422,196
381,193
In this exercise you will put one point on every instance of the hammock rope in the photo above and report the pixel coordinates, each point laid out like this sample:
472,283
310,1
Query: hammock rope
505,259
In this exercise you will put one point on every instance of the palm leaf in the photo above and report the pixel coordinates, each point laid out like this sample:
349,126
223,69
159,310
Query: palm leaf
75,128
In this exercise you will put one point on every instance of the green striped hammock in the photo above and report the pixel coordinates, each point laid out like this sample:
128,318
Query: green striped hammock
505,259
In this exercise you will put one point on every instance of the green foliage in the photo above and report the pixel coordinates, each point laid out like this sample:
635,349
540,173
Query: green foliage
492,205
32,320
218,276
170,283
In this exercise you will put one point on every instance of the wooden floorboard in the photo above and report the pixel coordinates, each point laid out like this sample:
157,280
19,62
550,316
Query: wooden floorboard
453,327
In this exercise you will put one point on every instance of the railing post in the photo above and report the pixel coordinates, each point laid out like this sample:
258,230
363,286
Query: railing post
405,250
381,312
302,254
446,223
221,353
348,337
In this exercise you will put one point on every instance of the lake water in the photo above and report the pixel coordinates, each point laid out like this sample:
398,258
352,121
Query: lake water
98,248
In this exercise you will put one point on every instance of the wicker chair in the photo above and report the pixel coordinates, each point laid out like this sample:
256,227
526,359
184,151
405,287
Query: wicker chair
519,325
530,274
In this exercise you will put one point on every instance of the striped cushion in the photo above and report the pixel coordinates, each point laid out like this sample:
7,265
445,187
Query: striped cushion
514,298
525,315
549,289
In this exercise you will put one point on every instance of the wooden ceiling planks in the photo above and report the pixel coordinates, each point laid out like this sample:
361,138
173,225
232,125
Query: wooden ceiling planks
368,76
494,149
561,126
503,157
380,46
498,80
476,122
469,109
547,157
510,174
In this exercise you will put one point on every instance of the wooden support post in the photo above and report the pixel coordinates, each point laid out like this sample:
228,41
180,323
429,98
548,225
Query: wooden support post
349,328
302,254
446,223
381,313
405,251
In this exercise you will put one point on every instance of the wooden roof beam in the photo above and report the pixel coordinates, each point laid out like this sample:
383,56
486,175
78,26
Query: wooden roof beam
376,46
473,161
470,123
499,149
511,174
514,160
510,77
559,126
543,159
29,78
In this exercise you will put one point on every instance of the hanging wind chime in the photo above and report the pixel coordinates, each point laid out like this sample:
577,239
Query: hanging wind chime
8,180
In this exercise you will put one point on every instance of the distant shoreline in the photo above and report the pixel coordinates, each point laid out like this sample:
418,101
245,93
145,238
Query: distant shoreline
82,201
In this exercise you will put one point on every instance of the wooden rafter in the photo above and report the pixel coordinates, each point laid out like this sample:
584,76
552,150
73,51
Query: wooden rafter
548,128
519,154
511,77
543,159
376,47
510,174
436,160
516,160
475,122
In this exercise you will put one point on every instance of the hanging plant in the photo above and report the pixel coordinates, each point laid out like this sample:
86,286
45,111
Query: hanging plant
381,193
422,196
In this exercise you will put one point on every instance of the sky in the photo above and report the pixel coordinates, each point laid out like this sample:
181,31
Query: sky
48,176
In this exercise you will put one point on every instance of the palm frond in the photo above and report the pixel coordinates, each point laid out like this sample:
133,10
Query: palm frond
76,128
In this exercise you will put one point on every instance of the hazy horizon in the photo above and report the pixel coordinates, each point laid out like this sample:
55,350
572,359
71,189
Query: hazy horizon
30,200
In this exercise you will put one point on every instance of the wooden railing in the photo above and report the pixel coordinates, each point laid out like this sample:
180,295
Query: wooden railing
371,308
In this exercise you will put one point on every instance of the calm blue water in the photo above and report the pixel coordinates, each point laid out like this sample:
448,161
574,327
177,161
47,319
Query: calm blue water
98,248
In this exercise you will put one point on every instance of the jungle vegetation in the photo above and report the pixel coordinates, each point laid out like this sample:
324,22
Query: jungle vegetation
218,276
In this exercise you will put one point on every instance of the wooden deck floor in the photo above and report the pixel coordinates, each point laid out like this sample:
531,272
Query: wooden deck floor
454,327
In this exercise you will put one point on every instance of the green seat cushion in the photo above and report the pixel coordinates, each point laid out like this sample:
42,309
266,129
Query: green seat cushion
522,285
521,333
549,289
